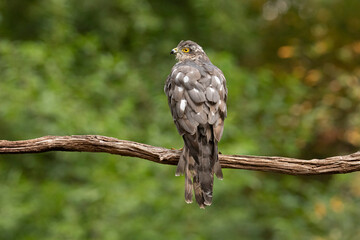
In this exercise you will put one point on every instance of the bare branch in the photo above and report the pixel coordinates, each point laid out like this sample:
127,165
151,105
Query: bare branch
95,143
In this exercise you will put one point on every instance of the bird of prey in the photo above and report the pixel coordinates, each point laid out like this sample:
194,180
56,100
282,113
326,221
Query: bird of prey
197,93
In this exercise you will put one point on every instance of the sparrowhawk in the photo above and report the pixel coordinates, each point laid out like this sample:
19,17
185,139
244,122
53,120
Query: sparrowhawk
197,93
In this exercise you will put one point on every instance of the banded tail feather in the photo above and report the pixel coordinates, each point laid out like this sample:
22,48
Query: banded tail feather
199,162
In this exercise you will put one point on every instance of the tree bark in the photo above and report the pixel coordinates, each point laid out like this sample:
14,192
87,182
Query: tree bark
95,143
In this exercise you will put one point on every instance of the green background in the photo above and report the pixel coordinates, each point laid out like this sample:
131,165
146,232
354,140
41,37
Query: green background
99,66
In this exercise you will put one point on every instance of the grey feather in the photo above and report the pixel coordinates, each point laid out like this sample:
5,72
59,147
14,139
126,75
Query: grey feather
216,81
188,175
205,81
218,129
218,171
195,107
217,166
186,125
180,170
212,95
178,93
190,116
209,134
178,76
213,117
193,73
200,120
222,105
200,117
178,108
200,87
197,96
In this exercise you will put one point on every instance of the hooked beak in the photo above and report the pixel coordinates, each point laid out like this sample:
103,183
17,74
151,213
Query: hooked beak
174,50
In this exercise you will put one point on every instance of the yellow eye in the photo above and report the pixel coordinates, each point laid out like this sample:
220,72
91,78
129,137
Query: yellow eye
185,50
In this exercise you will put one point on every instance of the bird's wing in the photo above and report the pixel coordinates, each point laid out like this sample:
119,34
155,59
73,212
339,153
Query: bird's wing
197,96
220,107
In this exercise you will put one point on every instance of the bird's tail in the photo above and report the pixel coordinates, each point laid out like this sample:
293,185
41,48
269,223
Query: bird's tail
199,162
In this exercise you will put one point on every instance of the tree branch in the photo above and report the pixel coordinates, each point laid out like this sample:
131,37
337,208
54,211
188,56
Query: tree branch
95,143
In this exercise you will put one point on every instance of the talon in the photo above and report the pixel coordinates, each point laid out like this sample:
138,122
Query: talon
180,149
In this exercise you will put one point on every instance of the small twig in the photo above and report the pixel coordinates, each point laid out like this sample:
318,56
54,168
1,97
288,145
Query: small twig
95,143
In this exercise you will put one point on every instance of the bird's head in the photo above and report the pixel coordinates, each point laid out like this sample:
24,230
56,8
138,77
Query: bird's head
189,50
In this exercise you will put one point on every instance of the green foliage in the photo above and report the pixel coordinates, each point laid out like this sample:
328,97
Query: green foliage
98,67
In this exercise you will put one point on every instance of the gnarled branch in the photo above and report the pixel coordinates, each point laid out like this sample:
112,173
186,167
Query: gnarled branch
95,143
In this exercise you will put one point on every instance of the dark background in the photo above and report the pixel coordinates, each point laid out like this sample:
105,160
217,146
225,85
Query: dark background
99,66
